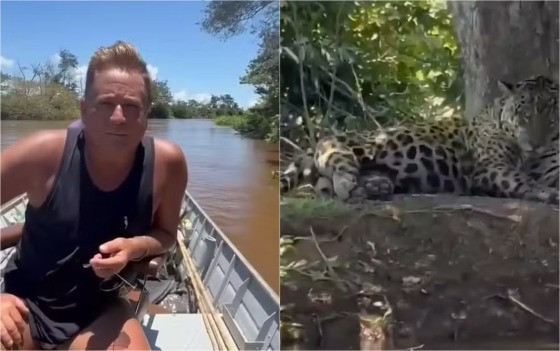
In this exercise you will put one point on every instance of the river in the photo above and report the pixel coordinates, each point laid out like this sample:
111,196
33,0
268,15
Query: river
229,176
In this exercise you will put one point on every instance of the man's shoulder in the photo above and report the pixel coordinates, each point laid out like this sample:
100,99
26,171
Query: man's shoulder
47,147
49,135
30,162
42,144
168,151
172,165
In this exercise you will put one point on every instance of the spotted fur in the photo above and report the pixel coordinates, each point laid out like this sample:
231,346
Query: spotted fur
513,143
535,125
508,150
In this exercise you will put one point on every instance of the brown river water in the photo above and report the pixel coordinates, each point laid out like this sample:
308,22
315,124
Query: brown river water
229,176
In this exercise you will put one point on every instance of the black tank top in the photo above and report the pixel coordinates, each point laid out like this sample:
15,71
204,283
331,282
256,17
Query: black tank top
66,231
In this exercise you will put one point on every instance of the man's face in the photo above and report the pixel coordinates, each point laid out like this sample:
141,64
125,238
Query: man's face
115,111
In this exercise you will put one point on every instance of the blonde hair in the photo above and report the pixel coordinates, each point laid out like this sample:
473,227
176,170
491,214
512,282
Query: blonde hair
121,55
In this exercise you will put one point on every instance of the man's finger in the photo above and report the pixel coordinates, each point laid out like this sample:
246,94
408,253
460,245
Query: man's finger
20,305
5,337
104,273
12,329
115,245
20,325
112,262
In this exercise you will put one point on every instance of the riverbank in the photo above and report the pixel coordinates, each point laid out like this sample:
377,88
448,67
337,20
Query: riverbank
235,122
444,272
251,125
248,125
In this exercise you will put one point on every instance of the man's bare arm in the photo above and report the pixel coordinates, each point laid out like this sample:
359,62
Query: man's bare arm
27,165
11,235
166,218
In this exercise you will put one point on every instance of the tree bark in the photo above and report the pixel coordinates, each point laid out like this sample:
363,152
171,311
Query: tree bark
506,40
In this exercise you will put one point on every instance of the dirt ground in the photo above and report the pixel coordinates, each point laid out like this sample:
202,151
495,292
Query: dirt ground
423,272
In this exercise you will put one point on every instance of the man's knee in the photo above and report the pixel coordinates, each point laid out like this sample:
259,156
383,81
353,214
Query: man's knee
131,340
116,329
28,342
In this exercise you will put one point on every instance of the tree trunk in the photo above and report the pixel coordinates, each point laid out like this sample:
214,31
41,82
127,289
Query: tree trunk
506,40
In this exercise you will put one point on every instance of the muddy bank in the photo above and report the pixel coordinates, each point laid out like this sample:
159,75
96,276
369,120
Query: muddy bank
433,272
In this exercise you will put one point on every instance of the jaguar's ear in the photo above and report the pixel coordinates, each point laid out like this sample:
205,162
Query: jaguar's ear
505,87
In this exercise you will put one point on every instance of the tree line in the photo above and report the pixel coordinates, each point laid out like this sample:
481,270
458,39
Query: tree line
164,106
48,91
226,19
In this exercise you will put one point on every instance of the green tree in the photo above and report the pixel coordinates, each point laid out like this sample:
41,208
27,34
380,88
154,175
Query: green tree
66,67
48,93
226,19
162,99
193,108
4,76
263,71
50,102
361,64
5,82
162,92
180,109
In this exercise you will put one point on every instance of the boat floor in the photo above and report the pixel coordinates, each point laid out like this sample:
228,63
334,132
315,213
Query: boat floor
176,331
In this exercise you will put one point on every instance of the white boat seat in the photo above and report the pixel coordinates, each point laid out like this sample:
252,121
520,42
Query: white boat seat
176,331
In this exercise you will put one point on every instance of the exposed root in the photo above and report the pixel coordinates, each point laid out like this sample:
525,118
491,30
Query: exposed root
328,263
523,306
529,309
465,207
317,320
291,143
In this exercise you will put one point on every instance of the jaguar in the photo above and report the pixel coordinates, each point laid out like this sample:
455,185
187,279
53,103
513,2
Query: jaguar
509,149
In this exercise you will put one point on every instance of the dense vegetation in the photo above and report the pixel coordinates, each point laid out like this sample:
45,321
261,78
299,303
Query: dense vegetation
52,93
164,106
356,64
42,91
225,19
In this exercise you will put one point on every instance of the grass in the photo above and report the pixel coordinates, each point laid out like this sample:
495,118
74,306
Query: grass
235,121
312,208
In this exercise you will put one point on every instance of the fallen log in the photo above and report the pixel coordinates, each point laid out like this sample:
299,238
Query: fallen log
432,272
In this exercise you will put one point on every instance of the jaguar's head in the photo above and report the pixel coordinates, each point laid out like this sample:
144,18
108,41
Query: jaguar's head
531,107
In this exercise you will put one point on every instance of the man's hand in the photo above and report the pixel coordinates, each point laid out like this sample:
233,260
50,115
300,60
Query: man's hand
117,252
13,316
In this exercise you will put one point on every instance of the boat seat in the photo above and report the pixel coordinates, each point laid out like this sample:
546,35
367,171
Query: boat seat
143,269
176,331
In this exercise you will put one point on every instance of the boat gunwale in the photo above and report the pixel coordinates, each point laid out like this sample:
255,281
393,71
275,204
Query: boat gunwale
236,251
12,203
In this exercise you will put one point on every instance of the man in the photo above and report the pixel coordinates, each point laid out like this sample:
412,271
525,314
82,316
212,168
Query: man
101,194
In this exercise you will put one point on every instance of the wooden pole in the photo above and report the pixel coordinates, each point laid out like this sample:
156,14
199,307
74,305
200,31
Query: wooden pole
215,322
